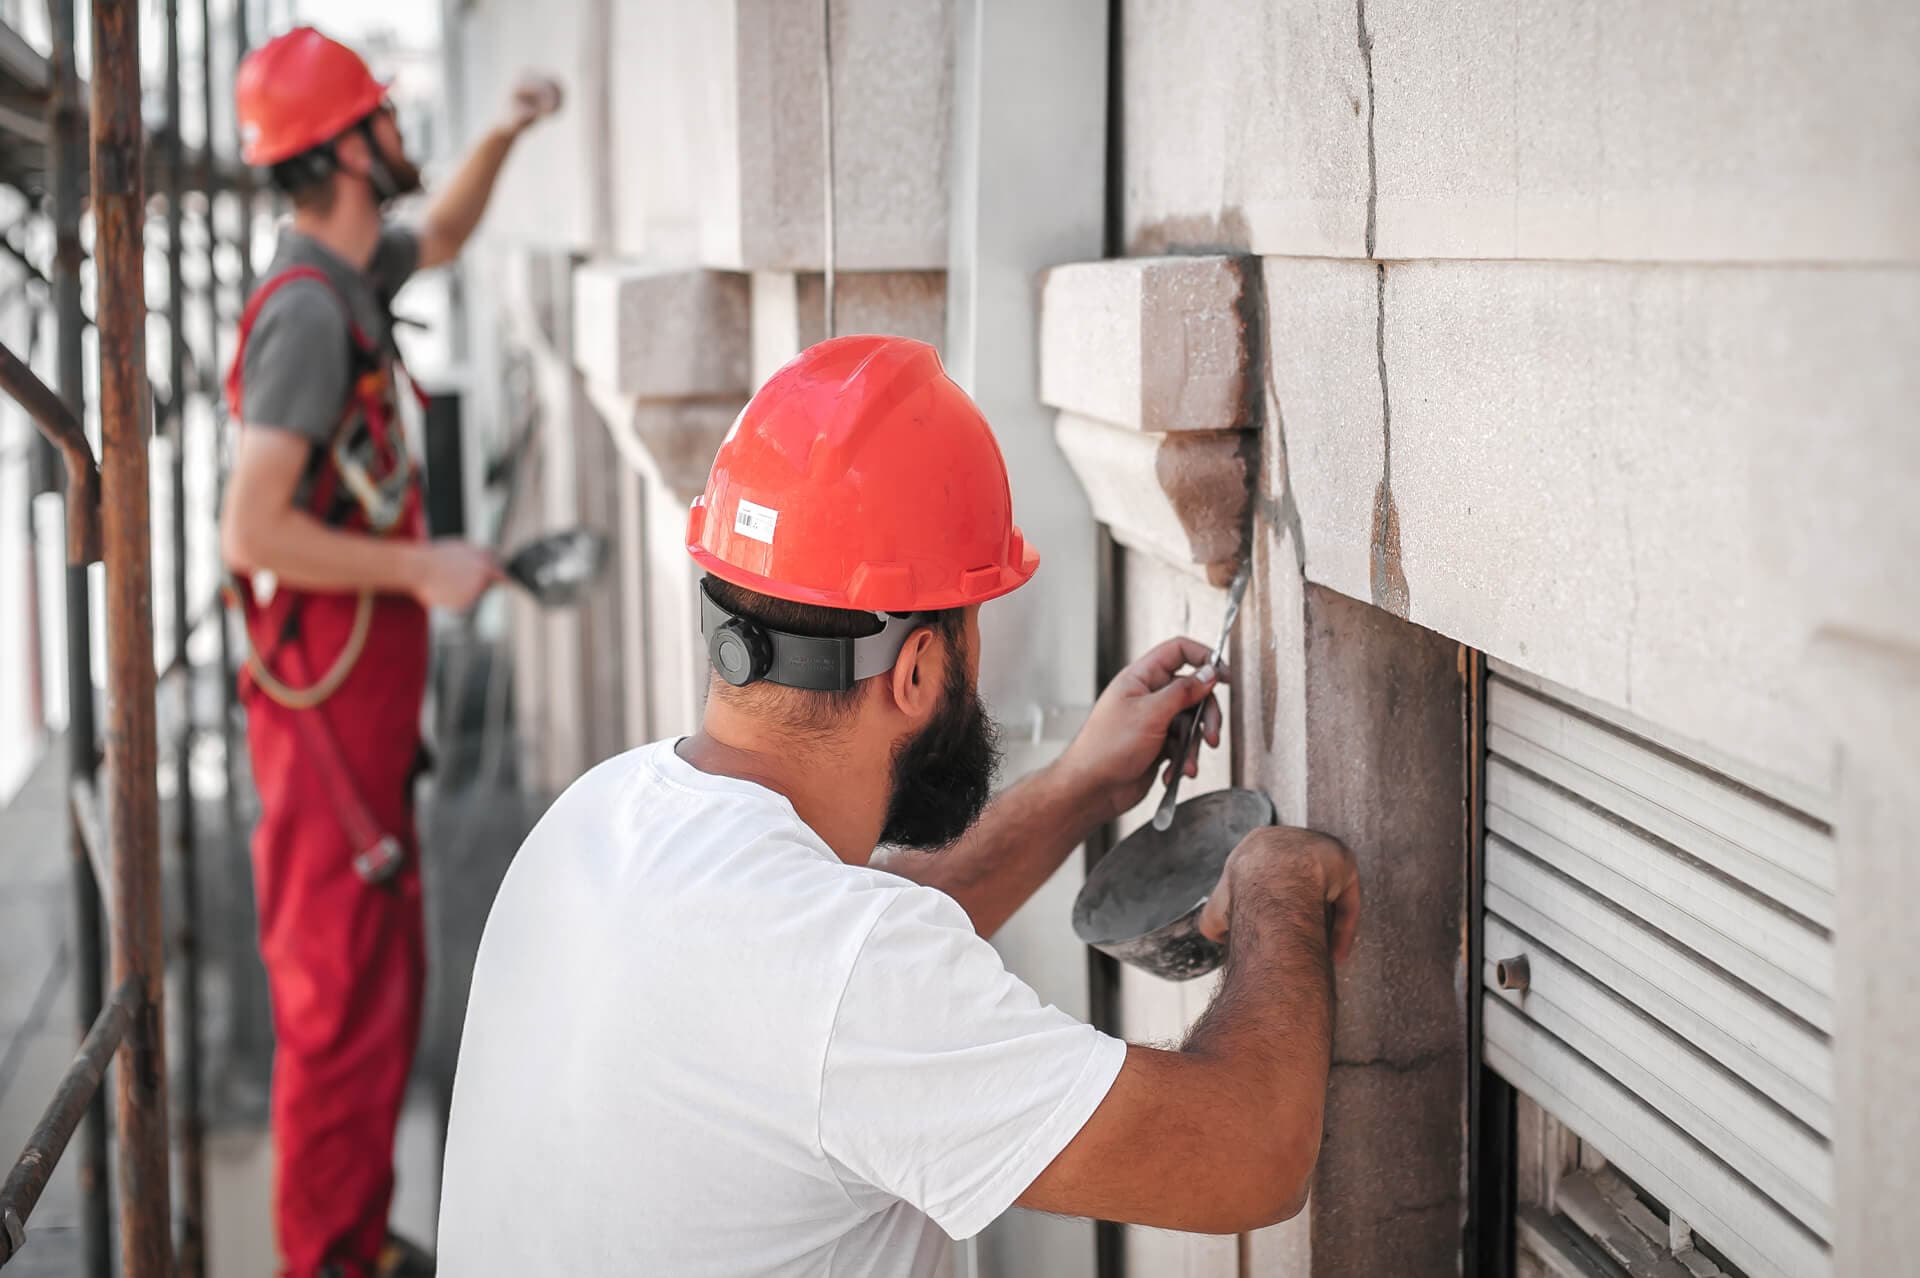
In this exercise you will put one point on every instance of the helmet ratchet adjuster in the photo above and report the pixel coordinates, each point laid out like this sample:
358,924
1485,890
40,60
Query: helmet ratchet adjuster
742,651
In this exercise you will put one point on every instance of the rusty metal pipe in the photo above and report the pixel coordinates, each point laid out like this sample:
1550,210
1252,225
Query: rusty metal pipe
133,816
58,423
188,1257
229,804
66,183
83,804
28,1178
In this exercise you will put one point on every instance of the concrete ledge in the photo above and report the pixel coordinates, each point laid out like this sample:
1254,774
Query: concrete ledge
1181,498
654,334
1155,344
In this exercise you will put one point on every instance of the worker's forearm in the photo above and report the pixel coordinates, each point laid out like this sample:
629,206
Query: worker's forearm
303,552
1015,847
1269,1030
456,211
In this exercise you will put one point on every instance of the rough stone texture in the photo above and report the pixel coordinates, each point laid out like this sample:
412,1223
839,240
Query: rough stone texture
1384,775
1181,498
1245,127
655,334
1157,344
789,311
1610,475
1872,695
892,88
1648,131
1641,131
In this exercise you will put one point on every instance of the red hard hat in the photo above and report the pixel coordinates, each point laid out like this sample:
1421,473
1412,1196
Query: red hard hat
298,90
861,477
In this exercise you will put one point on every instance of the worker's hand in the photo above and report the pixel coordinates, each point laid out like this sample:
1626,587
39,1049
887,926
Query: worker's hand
534,98
1138,722
453,574
1283,859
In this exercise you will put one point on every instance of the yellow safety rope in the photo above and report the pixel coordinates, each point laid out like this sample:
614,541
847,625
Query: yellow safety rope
326,685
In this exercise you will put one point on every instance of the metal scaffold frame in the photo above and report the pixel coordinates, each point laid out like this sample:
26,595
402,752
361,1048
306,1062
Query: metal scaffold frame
115,836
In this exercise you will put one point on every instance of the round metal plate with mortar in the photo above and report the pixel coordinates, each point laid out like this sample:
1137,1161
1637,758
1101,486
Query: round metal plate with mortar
1141,903
557,569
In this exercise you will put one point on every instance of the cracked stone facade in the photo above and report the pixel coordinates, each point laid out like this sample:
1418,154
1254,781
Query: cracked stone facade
1580,335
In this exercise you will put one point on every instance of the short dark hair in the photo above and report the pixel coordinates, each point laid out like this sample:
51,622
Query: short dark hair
800,708
307,179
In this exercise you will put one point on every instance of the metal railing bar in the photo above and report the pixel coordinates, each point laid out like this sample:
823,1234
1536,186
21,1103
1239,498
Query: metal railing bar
28,1177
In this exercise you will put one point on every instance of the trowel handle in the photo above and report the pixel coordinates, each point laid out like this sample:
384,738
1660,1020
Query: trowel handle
1163,815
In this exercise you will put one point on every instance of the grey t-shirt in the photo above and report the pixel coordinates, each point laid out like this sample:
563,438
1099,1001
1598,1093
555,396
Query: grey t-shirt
299,367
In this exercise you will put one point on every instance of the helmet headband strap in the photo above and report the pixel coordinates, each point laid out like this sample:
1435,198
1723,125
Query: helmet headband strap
809,662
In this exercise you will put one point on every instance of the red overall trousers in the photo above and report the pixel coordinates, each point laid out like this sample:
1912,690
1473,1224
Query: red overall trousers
345,958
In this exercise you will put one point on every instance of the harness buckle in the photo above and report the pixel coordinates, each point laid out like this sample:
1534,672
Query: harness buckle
380,862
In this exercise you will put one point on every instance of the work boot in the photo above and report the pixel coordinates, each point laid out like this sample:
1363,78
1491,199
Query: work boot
402,1259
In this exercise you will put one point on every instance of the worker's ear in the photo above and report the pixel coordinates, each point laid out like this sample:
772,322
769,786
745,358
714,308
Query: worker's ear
919,676
351,155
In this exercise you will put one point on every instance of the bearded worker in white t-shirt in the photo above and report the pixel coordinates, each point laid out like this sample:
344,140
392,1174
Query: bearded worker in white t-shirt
714,1031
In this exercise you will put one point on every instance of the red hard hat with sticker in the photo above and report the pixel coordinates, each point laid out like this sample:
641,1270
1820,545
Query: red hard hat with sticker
299,90
862,477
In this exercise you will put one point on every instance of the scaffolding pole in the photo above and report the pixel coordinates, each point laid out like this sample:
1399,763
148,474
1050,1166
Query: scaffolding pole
230,811
186,939
133,815
67,159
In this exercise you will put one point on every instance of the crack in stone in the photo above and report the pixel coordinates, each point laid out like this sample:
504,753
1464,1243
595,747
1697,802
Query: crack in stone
1396,1065
1387,580
1380,361
1373,162
1280,510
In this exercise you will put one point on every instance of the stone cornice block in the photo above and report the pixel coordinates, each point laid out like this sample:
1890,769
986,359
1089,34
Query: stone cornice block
670,442
662,335
1155,344
1182,498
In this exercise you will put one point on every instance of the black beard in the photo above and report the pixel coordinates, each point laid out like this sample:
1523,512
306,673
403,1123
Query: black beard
943,778
401,177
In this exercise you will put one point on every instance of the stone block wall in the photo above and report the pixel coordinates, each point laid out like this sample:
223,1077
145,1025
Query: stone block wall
1583,337
1580,334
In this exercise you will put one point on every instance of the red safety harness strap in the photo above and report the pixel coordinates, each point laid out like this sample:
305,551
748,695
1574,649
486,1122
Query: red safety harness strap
378,855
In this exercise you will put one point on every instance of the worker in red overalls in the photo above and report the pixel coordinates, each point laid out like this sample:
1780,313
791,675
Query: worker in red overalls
324,531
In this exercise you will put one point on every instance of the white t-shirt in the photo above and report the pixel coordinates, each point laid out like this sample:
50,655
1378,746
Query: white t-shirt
700,1043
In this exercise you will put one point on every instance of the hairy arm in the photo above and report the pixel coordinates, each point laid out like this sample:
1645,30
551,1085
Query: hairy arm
455,213
1223,1134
